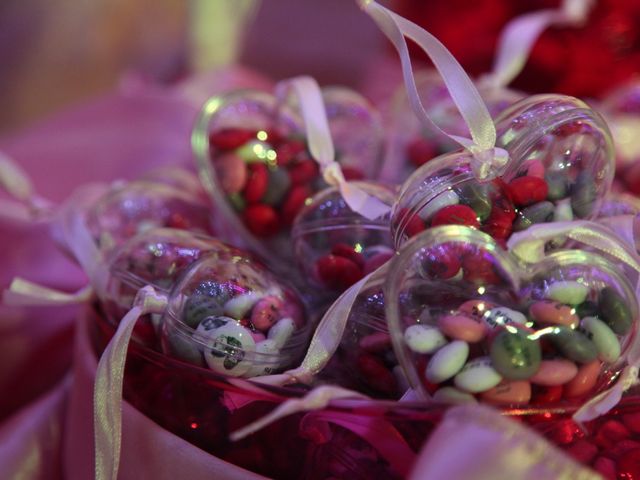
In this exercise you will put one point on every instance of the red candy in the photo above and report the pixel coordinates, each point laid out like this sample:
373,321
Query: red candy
257,183
629,465
499,223
261,220
455,215
303,172
546,394
346,251
443,265
293,202
338,272
527,190
605,467
286,152
376,374
420,151
632,421
610,433
230,138
583,451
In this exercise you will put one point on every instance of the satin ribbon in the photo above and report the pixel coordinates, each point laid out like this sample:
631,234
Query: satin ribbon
107,396
25,293
320,143
375,430
489,161
325,341
529,247
520,34
28,206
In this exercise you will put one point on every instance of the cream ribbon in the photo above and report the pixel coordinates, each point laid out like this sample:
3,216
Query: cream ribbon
520,34
488,161
529,247
28,206
309,96
107,395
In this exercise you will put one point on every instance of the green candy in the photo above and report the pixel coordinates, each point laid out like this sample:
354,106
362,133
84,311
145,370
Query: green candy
583,195
556,185
476,197
515,356
278,186
540,212
199,307
614,311
574,345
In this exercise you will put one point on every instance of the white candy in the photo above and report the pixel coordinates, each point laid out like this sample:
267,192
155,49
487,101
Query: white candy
238,306
447,361
568,292
453,396
423,338
211,323
477,376
227,347
264,359
446,198
281,331
563,211
503,316
603,338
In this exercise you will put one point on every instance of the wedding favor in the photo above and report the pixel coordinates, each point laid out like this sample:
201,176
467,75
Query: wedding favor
471,323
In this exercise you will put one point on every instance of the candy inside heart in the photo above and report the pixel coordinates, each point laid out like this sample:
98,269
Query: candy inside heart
412,144
500,332
154,257
335,246
560,168
230,313
254,158
130,208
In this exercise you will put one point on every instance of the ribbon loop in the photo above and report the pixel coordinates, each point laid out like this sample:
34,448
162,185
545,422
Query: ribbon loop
22,292
309,96
465,95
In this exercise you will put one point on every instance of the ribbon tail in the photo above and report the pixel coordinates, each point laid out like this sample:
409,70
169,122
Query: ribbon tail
360,201
107,395
317,398
25,293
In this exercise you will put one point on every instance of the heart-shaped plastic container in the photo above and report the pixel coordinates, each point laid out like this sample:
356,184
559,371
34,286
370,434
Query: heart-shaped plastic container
230,313
252,157
127,209
469,322
154,257
335,246
410,145
561,167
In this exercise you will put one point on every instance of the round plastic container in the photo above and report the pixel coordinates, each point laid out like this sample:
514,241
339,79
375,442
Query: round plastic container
230,313
470,323
130,208
252,156
154,257
561,167
335,246
410,145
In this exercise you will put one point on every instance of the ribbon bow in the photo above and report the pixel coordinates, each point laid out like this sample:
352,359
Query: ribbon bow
321,147
490,160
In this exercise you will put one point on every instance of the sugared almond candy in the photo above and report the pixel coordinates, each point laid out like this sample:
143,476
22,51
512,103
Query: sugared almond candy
447,361
240,305
265,312
281,331
453,396
584,381
603,337
477,376
553,313
462,327
517,392
424,338
554,372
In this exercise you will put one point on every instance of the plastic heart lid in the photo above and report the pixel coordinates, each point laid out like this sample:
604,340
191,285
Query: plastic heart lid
560,168
469,322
